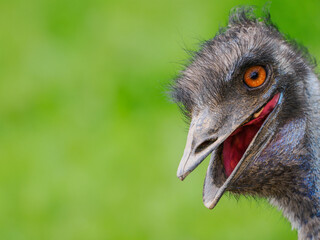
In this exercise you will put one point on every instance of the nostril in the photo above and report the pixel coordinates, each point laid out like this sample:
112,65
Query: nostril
205,144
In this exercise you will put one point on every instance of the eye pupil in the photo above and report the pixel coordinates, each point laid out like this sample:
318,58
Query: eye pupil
254,75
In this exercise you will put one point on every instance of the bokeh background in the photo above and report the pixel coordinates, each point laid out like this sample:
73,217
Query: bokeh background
89,142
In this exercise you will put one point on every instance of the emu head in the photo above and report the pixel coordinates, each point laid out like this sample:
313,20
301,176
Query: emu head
246,93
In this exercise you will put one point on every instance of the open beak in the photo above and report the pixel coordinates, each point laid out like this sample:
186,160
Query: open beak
208,131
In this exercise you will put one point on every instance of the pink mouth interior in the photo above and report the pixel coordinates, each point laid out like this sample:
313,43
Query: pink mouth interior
237,143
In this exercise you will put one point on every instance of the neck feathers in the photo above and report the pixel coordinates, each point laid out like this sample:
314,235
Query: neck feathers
303,214
302,206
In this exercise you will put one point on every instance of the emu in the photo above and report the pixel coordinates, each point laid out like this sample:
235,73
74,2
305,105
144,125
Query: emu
252,99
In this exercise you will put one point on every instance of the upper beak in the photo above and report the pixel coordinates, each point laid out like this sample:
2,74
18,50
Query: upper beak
203,138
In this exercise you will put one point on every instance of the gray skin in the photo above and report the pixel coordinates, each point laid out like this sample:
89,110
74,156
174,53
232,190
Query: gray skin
282,161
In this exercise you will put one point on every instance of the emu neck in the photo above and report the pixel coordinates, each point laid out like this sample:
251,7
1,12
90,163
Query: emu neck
301,202
303,213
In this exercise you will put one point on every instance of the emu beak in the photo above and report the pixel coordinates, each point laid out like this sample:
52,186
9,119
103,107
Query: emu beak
202,139
208,130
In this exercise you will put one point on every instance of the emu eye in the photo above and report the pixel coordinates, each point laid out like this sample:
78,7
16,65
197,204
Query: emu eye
255,76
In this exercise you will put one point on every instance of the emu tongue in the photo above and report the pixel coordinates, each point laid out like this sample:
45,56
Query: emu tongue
237,143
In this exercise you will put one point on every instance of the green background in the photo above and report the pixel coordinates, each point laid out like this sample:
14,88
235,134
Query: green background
89,142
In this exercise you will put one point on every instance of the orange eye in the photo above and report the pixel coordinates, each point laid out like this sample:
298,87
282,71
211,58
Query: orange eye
255,76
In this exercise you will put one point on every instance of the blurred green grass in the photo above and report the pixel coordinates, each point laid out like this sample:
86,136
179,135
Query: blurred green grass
89,142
